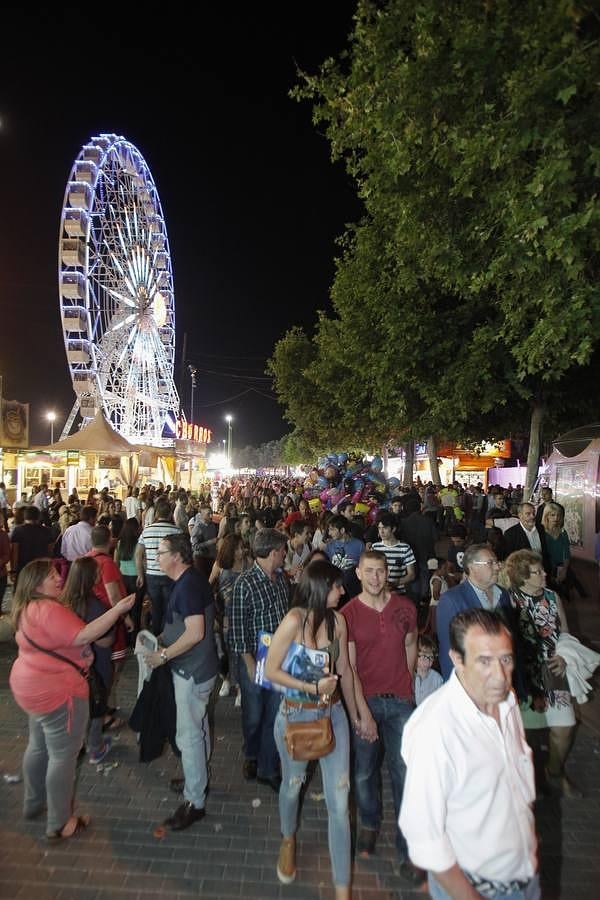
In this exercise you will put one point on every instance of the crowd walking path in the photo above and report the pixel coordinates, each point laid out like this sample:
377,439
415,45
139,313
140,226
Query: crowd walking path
233,851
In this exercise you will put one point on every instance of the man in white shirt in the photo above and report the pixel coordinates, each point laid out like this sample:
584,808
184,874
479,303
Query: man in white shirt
41,499
180,514
133,504
77,539
469,790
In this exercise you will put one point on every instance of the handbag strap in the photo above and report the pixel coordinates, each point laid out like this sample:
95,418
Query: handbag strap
81,671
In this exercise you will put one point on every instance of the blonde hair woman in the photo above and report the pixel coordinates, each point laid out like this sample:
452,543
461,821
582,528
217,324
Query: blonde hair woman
557,542
54,644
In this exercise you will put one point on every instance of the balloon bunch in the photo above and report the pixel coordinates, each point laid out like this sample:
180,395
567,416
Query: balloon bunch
339,477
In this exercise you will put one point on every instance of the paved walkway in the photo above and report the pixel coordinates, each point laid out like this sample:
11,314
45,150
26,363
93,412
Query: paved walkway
233,851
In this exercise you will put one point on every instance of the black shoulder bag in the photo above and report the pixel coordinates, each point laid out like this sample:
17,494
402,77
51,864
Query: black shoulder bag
97,688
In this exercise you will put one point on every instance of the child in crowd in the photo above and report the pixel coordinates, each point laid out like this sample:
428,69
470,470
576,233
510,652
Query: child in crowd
443,576
456,550
427,680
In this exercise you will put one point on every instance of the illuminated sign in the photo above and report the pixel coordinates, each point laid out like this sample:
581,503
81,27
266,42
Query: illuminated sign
188,432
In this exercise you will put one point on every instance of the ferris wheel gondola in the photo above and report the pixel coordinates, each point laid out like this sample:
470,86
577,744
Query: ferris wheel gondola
116,293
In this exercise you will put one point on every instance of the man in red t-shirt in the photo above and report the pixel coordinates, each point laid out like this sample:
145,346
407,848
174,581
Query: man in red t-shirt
109,590
382,645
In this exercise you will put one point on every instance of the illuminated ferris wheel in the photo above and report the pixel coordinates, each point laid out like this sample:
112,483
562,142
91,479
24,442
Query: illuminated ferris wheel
116,292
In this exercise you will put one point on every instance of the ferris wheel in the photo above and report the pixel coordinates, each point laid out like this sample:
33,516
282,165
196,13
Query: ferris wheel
116,292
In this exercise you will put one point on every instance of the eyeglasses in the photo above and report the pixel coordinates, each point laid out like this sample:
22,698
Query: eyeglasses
485,562
162,552
536,572
426,656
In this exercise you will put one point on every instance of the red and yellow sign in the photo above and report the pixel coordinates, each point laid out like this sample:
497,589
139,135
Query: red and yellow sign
186,431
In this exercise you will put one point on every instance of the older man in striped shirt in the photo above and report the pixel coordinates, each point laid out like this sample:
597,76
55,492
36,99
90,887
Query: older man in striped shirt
147,565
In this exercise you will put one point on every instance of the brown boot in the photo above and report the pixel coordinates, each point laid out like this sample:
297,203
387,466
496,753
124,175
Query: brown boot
286,864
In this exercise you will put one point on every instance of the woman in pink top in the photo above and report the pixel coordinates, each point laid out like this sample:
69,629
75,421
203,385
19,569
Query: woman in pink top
52,692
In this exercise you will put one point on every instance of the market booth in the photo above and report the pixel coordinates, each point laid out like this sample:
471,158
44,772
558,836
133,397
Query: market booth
96,456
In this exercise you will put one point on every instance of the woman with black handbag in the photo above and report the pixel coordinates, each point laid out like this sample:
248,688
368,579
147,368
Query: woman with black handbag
49,682
314,623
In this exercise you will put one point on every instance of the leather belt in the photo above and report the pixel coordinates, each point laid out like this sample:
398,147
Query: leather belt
307,704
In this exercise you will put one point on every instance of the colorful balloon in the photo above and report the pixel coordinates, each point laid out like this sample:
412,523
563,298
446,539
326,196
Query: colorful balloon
377,464
331,472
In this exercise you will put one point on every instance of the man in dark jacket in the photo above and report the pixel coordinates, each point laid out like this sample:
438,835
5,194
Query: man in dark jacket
478,590
420,533
526,535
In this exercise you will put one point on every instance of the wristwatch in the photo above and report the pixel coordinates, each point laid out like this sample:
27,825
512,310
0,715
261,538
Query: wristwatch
163,656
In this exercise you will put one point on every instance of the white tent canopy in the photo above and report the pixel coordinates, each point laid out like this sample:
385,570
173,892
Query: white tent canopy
98,436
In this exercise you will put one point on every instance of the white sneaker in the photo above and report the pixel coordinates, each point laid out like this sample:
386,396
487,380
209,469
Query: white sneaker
225,688
238,699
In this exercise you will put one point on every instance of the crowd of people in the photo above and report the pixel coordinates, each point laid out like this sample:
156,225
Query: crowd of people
468,638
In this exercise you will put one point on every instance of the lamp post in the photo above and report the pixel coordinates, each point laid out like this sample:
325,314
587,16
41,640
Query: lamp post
229,420
51,416
192,370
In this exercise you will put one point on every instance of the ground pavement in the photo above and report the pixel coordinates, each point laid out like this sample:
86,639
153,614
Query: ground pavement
233,851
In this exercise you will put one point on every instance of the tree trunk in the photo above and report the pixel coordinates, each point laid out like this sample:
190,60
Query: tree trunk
409,464
433,460
533,456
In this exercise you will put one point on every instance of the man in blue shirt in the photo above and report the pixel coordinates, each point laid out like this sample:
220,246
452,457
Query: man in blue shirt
343,550
479,589
188,645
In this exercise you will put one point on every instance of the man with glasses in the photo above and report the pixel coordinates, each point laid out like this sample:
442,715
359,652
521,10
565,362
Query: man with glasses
188,645
478,590
260,601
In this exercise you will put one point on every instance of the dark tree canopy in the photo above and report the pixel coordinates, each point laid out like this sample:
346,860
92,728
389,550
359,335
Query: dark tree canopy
468,296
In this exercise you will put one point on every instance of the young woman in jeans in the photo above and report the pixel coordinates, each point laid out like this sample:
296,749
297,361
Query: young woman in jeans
52,693
314,623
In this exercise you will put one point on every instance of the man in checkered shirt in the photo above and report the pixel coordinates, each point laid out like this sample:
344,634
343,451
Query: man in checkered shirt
260,601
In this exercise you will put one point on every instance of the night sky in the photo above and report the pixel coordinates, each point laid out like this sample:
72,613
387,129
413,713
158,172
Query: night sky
252,202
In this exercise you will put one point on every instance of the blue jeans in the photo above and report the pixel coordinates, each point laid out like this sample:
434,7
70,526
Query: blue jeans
159,589
531,892
259,708
193,735
336,784
391,715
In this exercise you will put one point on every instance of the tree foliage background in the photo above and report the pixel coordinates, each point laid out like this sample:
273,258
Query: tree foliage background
466,302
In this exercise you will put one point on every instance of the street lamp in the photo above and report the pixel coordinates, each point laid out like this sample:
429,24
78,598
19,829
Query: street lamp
229,420
193,371
51,416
